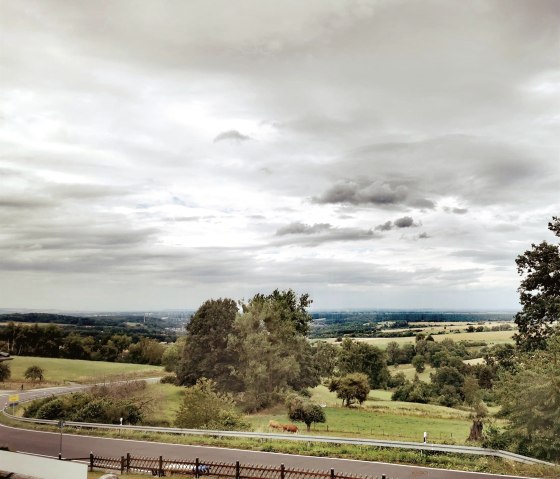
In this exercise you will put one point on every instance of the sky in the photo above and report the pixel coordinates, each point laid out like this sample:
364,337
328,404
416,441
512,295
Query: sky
374,154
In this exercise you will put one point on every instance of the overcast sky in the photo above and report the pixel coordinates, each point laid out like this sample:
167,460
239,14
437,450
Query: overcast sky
379,154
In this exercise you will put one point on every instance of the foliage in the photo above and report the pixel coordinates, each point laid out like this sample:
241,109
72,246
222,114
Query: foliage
350,388
206,353
5,371
204,407
539,292
272,355
419,363
301,409
35,373
168,379
145,351
325,358
413,391
530,399
100,404
360,357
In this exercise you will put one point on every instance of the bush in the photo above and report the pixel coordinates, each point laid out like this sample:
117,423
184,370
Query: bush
54,409
5,371
169,379
397,380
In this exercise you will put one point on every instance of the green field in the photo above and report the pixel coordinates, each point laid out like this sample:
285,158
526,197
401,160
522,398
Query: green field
59,371
490,337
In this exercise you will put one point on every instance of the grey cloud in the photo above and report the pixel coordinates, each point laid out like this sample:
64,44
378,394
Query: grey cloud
301,228
25,203
374,193
423,236
320,233
232,135
457,211
404,222
387,226
423,203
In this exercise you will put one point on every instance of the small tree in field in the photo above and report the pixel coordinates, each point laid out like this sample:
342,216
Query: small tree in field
350,388
5,371
300,409
35,373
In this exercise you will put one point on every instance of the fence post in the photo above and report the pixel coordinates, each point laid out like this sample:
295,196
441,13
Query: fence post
383,476
282,471
160,472
91,461
332,473
127,462
237,470
196,464
122,465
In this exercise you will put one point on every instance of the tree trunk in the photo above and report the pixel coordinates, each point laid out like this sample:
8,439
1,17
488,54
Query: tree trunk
476,430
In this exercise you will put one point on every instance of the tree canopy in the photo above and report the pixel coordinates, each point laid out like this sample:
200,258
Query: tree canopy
539,292
206,352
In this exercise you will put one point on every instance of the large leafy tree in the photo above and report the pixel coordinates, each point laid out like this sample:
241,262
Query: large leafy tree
539,292
530,399
273,355
206,352
360,357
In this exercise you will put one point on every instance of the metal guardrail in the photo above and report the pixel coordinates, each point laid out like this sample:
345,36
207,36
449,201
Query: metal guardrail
427,447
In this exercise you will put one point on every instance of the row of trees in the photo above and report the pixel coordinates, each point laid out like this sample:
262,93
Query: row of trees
53,341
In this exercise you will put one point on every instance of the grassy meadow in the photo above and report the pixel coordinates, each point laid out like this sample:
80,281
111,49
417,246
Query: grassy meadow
59,371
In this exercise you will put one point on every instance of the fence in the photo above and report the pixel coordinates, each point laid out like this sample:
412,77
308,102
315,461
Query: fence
158,466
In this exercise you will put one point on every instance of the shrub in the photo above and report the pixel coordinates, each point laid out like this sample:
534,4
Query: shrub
169,379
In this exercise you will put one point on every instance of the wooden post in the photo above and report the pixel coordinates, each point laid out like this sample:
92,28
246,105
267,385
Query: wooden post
383,476
282,471
128,462
196,464
160,472
91,461
122,465
332,473
237,470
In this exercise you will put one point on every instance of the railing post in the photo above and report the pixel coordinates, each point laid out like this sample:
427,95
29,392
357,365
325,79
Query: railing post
122,465
160,471
91,461
332,473
282,471
237,470
127,462
383,476
196,464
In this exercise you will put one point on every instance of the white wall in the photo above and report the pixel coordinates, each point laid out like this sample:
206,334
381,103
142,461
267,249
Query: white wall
41,467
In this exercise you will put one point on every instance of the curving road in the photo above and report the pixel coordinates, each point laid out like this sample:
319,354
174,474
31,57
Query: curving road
75,446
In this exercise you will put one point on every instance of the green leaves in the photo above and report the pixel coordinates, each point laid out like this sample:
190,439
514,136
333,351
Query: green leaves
539,292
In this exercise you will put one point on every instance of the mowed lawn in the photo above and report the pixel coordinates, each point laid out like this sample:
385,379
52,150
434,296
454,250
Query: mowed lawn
58,371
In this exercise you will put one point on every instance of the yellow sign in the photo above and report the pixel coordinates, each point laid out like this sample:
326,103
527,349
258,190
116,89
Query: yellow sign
14,398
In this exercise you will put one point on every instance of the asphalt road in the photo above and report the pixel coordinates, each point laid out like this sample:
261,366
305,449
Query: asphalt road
75,446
